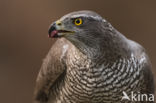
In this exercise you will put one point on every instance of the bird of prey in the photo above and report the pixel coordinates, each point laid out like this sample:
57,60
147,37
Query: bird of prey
92,62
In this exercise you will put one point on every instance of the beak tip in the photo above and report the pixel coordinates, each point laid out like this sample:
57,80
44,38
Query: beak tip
52,30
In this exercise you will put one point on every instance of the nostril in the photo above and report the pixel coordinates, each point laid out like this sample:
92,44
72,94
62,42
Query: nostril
59,24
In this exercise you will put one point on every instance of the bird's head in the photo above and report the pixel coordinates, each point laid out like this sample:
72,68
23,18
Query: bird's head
81,27
89,32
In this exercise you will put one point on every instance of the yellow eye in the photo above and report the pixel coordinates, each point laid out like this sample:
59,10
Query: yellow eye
78,21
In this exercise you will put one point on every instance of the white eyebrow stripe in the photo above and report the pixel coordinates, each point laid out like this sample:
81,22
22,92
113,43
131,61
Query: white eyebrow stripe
85,15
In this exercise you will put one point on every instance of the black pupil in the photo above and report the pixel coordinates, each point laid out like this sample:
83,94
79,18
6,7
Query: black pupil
77,21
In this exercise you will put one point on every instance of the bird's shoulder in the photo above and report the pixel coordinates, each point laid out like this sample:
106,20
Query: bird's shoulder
59,47
55,56
52,68
143,60
139,53
136,49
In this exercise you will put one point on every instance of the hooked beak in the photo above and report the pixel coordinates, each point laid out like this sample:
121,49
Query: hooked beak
55,31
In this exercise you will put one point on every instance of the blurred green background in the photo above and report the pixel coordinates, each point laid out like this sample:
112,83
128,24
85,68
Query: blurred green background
24,38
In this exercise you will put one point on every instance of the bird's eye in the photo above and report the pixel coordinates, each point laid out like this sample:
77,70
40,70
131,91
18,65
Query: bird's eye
78,21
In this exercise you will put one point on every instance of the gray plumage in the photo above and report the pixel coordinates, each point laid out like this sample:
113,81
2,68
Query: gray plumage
91,63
